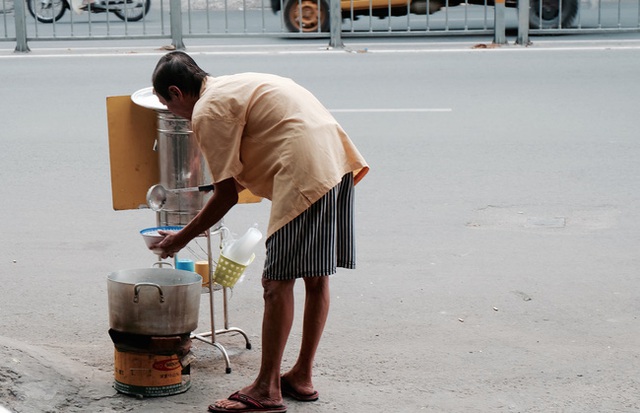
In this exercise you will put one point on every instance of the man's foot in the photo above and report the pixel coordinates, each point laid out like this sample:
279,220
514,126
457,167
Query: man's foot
241,403
302,395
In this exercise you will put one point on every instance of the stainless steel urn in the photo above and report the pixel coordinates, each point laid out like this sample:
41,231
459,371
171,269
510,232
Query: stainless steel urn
181,166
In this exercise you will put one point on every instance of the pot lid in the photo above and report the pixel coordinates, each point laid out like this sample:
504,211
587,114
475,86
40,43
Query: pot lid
147,99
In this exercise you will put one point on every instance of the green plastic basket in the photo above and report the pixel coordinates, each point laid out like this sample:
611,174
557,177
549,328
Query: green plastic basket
228,272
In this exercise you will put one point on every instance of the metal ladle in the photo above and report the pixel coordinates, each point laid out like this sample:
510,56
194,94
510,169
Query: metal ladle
157,194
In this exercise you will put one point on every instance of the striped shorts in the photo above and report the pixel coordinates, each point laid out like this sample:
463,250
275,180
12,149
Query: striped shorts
317,241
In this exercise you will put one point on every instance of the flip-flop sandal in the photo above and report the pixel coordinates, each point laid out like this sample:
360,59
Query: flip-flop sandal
253,406
289,391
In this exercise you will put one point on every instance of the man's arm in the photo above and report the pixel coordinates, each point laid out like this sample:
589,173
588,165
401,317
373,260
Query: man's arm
225,196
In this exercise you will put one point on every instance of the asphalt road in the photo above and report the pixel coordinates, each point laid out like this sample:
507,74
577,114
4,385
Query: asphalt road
498,228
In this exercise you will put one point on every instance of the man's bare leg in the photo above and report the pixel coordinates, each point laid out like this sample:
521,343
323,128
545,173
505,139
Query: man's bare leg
316,310
276,326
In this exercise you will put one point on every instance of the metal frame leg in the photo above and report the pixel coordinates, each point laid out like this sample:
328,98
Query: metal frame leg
210,336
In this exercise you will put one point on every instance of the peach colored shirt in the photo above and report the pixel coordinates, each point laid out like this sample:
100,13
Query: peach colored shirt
275,139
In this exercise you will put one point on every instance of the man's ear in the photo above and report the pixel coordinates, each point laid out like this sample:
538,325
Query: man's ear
174,92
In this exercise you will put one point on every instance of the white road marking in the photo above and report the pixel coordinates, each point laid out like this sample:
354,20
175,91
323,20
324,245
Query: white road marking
355,47
391,110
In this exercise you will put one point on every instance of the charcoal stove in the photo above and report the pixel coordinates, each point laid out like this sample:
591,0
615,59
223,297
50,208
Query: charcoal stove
151,366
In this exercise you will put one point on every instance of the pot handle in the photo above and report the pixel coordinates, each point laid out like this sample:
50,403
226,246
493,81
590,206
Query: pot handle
159,264
136,291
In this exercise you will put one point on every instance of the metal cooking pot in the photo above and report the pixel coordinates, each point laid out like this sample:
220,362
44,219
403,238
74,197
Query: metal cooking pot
154,301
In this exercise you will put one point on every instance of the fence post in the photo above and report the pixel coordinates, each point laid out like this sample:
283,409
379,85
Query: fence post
335,24
175,12
523,23
499,27
20,20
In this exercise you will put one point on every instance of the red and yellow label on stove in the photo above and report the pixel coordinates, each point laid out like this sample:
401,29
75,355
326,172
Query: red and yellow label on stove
137,369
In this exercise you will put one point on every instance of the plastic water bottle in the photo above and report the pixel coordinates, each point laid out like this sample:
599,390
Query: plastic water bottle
241,249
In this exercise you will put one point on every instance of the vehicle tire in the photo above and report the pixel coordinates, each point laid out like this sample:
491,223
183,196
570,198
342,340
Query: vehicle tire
47,11
545,14
132,10
307,16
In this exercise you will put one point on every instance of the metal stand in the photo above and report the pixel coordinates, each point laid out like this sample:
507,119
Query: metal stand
210,336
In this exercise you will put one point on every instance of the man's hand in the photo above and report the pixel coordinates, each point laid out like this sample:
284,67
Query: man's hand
170,245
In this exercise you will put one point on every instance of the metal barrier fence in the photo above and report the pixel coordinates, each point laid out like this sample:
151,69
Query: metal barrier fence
28,20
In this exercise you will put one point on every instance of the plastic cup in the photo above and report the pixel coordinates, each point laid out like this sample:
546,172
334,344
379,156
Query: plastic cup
184,264
202,268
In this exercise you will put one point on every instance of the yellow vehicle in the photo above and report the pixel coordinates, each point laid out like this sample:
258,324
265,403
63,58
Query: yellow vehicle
313,15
